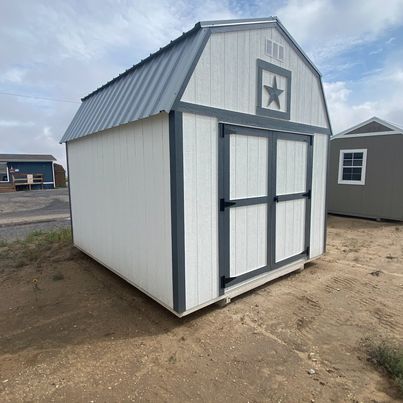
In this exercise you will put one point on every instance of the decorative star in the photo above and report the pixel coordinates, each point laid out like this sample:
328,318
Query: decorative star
274,93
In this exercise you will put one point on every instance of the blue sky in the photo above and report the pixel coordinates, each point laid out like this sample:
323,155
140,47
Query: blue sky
65,49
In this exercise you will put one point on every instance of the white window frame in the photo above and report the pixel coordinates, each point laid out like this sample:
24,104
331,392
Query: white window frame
363,168
8,175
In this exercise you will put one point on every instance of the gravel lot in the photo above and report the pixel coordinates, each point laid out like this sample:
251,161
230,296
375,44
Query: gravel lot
26,211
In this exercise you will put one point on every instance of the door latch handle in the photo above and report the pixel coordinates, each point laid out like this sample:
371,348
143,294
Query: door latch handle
224,204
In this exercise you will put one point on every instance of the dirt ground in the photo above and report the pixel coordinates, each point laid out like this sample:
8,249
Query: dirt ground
71,330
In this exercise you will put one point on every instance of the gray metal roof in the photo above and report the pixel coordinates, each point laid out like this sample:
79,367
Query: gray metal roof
144,90
154,84
26,157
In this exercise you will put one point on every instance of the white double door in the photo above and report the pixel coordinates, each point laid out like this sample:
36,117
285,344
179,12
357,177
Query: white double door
265,201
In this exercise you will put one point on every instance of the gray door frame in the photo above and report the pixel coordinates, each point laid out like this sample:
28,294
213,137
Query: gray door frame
225,203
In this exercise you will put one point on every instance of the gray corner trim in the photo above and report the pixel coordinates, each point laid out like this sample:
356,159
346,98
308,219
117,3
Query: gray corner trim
326,195
246,119
260,110
177,210
206,36
326,108
69,189
308,211
223,216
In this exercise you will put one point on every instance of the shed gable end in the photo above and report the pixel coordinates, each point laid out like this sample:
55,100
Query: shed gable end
371,127
229,75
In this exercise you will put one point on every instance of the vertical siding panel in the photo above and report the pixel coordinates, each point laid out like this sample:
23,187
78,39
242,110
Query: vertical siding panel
202,86
190,210
318,214
121,207
231,71
242,78
203,206
254,44
214,209
217,84
200,145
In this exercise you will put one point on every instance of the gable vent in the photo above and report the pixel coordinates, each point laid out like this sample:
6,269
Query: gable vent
274,49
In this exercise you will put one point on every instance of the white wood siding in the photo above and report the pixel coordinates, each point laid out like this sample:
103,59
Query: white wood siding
121,207
225,76
248,166
291,166
318,201
248,238
290,228
200,171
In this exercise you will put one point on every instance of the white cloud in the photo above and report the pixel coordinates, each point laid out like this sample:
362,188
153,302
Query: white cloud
328,27
15,123
13,75
343,113
351,102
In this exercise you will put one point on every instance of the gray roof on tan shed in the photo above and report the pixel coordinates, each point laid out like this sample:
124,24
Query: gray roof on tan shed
26,157
157,82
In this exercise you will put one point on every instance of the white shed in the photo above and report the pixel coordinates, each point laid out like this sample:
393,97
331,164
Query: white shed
200,172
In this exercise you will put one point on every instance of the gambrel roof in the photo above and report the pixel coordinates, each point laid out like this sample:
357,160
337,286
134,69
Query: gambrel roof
158,82
371,127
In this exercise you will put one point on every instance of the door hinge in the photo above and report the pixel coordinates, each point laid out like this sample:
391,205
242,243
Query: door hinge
276,199
224,204
307,194
307,250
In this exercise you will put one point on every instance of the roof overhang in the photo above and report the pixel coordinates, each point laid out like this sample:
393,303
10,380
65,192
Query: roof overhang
26,158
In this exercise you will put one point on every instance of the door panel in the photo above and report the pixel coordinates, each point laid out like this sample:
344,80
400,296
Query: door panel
291,166
290,228
264,187
293,183
248,166
248,239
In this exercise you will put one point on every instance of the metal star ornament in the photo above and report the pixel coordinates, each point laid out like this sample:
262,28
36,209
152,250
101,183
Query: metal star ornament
274,93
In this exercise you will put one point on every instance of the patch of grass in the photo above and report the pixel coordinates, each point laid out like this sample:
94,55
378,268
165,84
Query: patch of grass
36,247
389,357
44,237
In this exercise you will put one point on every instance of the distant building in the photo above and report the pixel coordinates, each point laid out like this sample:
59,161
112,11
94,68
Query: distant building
60,175
366,169
26,171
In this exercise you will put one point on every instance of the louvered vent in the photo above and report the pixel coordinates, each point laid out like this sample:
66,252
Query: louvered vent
274,49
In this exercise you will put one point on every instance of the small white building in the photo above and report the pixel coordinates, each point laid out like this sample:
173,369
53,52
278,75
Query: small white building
200,172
